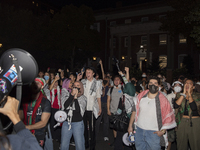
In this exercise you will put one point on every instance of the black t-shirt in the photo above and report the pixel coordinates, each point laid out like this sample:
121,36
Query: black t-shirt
45,106
104,97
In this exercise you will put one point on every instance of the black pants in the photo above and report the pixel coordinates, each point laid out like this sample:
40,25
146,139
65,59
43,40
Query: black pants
90,120
40,138
105,118
119,145
55,132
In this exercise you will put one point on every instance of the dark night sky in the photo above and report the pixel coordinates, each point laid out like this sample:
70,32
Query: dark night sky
96,4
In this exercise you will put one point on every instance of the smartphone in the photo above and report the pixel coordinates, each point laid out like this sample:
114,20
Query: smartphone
83,69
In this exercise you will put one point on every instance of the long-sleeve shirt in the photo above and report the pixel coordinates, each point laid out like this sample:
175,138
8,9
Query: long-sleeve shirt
76,112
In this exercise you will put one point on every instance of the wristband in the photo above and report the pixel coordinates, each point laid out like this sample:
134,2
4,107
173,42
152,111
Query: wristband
183,95
163,131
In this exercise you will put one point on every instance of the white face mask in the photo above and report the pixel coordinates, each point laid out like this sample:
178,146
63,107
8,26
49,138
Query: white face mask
177,89
144,76
159,88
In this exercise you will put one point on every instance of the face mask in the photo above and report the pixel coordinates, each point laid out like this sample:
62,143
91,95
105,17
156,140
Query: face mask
46,77
133,82
77,89
159,88
144,76
153,89
177,89
105,82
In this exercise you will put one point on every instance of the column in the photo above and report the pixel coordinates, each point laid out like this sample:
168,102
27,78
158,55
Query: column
170,58
129,61
111,53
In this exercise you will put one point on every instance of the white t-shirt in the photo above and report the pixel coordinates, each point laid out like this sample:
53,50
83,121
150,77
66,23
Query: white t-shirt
147,118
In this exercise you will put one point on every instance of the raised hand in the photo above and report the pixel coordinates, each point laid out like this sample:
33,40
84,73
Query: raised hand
100,62
127,69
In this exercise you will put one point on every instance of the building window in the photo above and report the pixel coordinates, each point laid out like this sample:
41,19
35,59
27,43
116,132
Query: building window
112,23
163,61
126,42
113,43
182,39
144,41
144,19
163,39
95,26
127,21
180,60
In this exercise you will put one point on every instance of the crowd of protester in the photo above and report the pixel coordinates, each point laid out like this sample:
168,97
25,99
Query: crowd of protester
159,113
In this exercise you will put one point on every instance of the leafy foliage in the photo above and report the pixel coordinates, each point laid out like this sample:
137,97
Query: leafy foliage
69,31
61,39
183,19
154,68
135,72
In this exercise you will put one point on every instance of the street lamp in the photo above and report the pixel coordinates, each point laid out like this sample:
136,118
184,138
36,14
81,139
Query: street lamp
123,57
1,45
94,58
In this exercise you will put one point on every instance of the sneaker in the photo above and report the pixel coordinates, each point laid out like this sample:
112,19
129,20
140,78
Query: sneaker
106,139
72,143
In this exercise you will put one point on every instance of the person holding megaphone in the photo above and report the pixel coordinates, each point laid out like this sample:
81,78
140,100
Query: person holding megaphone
23,139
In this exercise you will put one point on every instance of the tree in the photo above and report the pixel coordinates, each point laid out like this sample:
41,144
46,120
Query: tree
155,69
175,22
189,64
193,19
20,28
69,34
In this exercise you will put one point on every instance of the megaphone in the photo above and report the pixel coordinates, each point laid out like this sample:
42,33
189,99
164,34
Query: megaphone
17,67
8,72
60,116
128,139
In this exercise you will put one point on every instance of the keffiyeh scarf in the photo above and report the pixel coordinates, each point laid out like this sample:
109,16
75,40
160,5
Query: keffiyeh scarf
53,96
164,112
82,100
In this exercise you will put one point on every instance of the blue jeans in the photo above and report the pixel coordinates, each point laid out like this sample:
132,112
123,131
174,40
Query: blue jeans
77,129
146,140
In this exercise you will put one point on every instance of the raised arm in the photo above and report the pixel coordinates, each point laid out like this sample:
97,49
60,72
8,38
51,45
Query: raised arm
52,84
102,70
127,73
123,77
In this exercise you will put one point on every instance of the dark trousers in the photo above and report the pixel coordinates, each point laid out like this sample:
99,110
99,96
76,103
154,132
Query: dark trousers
187,133
119,145
90,120
55,132
105,118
